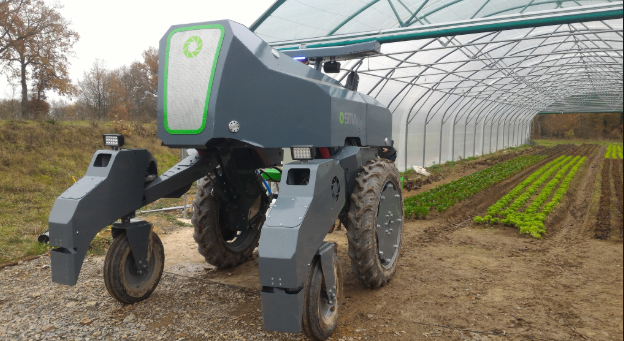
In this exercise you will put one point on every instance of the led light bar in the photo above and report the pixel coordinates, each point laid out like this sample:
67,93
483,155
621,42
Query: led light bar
113,140
303,60
303,152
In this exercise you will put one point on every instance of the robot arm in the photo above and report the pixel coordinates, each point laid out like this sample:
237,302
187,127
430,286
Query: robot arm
113,187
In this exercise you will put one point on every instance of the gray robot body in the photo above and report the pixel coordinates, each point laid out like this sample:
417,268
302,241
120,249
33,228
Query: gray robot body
277,102
237,101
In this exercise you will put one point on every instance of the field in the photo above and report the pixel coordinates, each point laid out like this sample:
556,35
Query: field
458,279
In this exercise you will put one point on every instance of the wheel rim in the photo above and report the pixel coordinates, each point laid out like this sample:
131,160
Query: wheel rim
237,241
389,224
134,279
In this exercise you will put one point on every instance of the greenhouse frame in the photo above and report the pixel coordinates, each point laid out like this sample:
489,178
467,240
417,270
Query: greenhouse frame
464,78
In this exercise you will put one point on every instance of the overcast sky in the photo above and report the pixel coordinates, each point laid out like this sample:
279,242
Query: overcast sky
118,31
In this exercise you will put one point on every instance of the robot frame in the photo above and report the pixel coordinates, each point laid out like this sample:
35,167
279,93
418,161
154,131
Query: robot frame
239,103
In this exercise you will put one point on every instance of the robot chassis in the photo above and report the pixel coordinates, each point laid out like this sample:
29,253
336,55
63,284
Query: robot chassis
237,102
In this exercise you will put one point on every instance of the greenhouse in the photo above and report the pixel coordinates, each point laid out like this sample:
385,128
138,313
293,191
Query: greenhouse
464,78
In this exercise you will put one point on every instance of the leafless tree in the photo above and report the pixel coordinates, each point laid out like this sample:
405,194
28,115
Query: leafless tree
97,91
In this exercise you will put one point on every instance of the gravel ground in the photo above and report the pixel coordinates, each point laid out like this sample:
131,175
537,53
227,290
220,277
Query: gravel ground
182,308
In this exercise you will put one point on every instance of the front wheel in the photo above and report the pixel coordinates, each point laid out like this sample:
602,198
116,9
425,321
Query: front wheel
125,281
375,223
322,307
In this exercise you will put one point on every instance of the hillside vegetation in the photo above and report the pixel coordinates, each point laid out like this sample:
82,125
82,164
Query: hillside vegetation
39,160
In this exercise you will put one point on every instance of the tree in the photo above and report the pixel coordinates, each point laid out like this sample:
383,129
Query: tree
9,14
125,93
137,86
39,46
9,107
585,126
62,110
97,91
150,68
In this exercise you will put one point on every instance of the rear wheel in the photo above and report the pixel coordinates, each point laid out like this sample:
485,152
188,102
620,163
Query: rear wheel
320,312
124,280
221,246
375,223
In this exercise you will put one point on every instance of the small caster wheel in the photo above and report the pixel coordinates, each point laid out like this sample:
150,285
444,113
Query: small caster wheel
124,281
321,310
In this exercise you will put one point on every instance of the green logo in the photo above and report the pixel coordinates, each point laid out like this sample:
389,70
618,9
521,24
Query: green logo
349,118
193,46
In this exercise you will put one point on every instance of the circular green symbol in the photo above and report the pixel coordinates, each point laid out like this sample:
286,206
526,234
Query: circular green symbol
193,46
341,118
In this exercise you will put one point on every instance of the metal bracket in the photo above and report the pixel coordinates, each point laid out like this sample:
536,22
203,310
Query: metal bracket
177,180
327,254
338,53
138,234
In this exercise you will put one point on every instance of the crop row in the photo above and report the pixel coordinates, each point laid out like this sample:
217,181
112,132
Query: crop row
445,196
550,187
521,200
603,217
531,221
616,172
563,189
496,216
614,151
558,150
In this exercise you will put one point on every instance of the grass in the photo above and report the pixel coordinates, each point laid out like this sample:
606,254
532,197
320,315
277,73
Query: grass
38,161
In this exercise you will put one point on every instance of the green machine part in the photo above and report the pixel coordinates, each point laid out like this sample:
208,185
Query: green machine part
272,174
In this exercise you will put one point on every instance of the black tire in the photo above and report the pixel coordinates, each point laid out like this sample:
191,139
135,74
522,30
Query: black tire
370,268
319,320
215,242
121,276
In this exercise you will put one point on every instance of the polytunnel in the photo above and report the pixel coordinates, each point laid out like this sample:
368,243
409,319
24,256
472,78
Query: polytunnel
465,78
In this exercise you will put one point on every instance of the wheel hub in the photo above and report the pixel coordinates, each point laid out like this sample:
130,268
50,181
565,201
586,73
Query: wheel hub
328,304
137,274
389,224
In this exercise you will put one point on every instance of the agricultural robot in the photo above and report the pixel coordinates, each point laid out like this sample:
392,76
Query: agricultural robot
238,104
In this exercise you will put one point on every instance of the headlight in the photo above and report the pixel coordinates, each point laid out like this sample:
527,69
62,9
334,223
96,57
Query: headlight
113,140
303,152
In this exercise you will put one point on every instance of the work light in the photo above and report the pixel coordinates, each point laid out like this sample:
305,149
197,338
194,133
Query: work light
303,152
114,141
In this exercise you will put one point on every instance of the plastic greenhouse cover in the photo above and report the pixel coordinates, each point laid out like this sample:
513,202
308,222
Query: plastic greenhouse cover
472,94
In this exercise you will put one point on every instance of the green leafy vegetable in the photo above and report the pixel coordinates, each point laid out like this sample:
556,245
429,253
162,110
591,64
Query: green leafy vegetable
531,221
446,196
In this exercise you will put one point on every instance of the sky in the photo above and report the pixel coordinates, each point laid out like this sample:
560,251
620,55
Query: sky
118,31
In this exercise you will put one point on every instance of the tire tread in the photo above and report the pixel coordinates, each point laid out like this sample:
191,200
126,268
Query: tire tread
361,220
